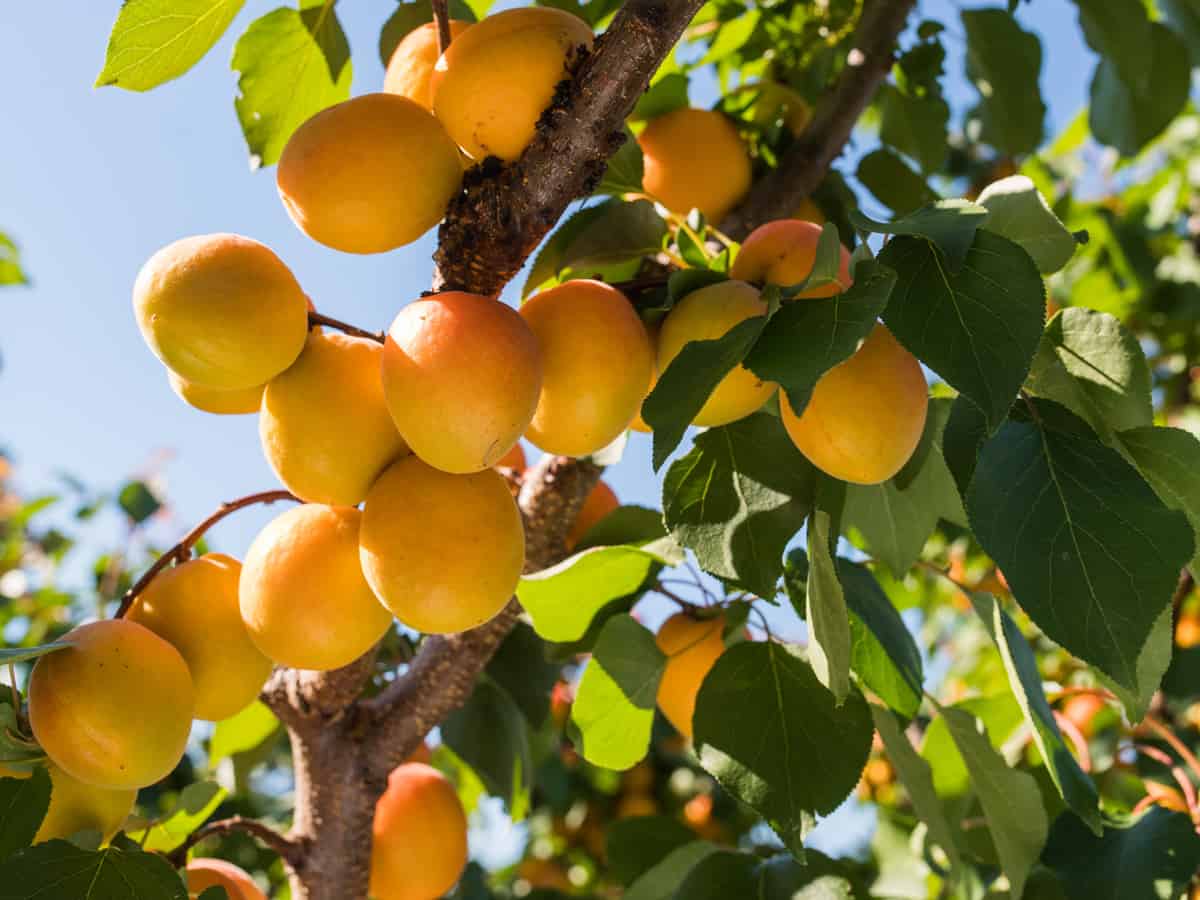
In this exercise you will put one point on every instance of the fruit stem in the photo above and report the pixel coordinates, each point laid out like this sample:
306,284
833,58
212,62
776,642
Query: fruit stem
441,15
316,318
182,551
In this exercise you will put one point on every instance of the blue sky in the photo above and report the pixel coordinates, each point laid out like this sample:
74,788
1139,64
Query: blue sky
94,181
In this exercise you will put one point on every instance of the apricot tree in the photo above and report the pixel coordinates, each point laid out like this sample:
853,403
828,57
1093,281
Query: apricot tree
948,377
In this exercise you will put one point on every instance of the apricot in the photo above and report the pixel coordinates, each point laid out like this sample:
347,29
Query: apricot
1082,710
213,400
783,253
494,82
705,315
774,102
419,845
206,872
513,459
691,647
599,503
695,159
114,709
75,807
325,427
194,607
442,552
631,806
1187,631
302,594
866,414
410,69
597,366
221,311
369,174
461,375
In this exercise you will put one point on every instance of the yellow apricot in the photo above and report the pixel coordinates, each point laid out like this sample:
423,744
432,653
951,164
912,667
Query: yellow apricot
410,69
205,872
215,400
866,414
325,427
691,647
442,552
638,423
221,311
461,375
419,844
705,315
597,364
114,709
75,807
194,607
302,594
775,102
494,82
695,159
783,253
599,503
368,174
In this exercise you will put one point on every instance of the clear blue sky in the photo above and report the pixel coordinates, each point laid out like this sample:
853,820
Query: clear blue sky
94,181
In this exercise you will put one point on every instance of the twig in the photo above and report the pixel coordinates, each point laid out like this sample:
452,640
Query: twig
1151,724
183,550
289,850
685,605
441,15
1071,730
316,318
1180,776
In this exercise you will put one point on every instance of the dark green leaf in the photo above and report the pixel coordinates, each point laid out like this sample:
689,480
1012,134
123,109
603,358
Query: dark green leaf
1153,660
1169,460
660,882
893,183
825,604
1004,63
916,126
623,174
966,430
411,16
489,734
624,525
213,893
520,667
1184,17
728,874
1020,213
670,92
636,845
884,654
58,870
950,224
10,655
138,501
23,805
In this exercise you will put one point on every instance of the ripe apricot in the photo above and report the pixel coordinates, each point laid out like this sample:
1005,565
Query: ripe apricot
866,414
206,872
513,459
705,315
419,843
692,647
325,427
221,310
597,365
442,552
461,375
599,503
1081,710
410,69
302,594
494,82
214,400
194,607
783,253
114,709
369,174
1187,631
75,807
695,159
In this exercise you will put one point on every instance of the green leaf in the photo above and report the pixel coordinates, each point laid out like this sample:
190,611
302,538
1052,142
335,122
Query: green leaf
216,892
884,655
1020,213
23,805
562,600
636,845
728,874
660,882
120,871
916,126
1125,863
637,525
965,432
893,183
825,604
520,667
1091,553
11,655
1020,663
489,734
1010,799
1169,460
154,41
1153,660
614,704
196,803
10,262
410,16
287,68
665,94
15,747
737,498
1002,716
138,501
241,732
1091,364
773,736
978,328
949,224
623,173
1184,17
1004,63
806,338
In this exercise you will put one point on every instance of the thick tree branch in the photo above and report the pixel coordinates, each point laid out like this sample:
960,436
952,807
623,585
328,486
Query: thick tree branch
506,210
778,195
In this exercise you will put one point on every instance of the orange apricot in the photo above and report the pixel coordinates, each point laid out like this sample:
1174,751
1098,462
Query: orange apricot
783,253
1187,631
599,503
692,647
597,365
461,375
302,594
866,414
213,400
443,552
325,427
410,69
114,709
205,872
705,315
695,159
75,806
368,175
419,845
1082,710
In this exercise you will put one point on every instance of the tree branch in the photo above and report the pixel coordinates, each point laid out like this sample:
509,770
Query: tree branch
287,849
802,168
441,15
